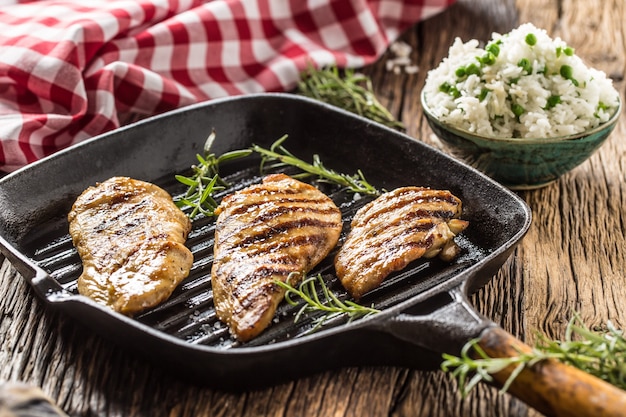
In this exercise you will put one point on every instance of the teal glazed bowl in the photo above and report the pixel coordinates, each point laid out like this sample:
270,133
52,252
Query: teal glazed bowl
521,163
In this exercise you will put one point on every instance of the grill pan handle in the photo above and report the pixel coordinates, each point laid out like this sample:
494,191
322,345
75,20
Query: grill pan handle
551,387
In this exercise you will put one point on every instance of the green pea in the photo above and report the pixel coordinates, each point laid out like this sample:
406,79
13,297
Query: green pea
531,39
450,89
472,69
525,64
488,59
483,94
566,72
552,101
567,51
493,48
517,109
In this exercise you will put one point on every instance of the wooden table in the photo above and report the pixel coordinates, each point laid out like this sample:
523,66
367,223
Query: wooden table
572,259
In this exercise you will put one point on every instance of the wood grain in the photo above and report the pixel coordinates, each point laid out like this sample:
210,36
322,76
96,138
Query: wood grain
573,258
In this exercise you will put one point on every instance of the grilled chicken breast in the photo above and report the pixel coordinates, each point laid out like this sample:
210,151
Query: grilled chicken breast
398,227
130,237
265,233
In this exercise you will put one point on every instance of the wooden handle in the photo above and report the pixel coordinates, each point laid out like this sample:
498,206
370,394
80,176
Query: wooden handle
551,387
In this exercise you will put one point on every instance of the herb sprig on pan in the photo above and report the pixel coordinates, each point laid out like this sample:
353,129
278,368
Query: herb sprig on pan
205,179
328,303
278,156
599,353
348,90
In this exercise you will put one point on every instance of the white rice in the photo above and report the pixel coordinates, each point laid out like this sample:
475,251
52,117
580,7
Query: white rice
484,103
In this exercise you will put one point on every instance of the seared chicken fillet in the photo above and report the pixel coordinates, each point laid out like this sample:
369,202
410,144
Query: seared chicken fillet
130,237
398,227
265,233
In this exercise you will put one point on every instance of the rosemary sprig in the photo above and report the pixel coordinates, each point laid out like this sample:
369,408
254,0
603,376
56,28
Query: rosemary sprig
277,156
469,371
328,303
350,91
206,180
602,354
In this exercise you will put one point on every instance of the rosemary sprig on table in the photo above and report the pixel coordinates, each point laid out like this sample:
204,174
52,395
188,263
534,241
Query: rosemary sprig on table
349,90
602,354
328,303
205,180
278,156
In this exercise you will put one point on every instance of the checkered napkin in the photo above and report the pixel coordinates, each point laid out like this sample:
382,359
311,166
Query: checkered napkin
69,69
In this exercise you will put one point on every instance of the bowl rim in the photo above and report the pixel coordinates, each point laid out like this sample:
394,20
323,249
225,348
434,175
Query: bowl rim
608,124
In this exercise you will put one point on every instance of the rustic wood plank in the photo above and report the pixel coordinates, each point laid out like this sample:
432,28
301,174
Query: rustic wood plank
578,231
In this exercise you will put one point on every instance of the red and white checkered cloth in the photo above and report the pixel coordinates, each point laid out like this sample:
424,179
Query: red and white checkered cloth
69,68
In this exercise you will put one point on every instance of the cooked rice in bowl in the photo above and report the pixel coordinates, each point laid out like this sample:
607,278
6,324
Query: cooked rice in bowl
521,84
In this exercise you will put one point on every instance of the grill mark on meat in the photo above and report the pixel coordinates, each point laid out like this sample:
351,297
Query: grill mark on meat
281,265
302,240
264,233
286,205
395,229
270,190
394,244
277,245
121,213
410,197
423,225
251,299
281,210
271,218
272,231
266,271
440,214
430,194
419,230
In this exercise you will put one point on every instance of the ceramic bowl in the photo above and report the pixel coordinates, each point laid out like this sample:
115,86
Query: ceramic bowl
520,163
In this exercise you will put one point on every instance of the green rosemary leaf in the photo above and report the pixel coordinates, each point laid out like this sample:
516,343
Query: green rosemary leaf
348,90
205,180
322,300
185,180
238,154
278,156
518,369
599,353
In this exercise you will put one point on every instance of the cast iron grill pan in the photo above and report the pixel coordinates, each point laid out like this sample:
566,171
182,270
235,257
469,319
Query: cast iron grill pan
424,308
182,334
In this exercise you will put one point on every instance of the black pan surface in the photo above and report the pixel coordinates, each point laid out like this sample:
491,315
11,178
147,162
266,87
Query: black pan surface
183,333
